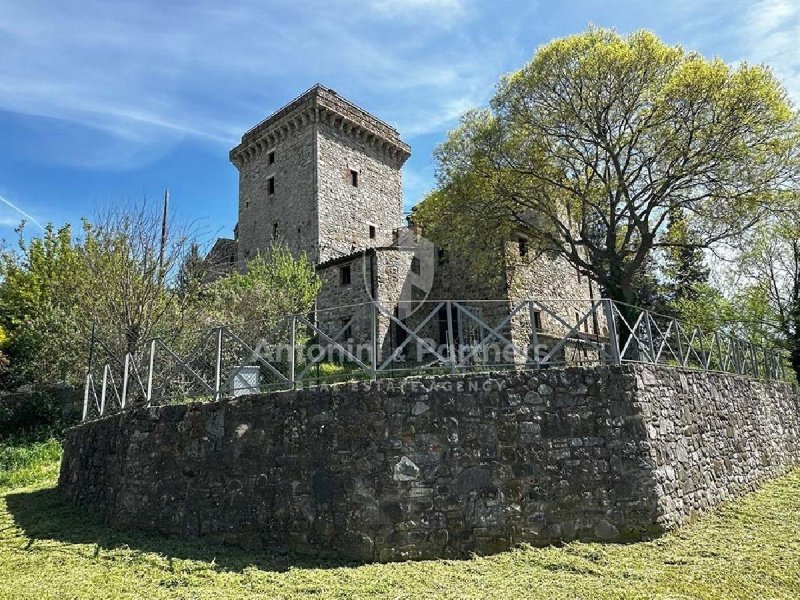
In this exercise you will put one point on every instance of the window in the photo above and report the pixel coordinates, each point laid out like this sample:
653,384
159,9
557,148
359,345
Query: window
271,186
247,203
274,230
372,232
415,265
537,320
271,157
354,178
347,328
523,246
344,275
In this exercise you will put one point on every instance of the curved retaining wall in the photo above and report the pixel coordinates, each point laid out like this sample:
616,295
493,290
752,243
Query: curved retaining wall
439,467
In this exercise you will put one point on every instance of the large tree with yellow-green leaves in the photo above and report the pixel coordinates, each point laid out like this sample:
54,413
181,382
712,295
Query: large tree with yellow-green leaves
592,145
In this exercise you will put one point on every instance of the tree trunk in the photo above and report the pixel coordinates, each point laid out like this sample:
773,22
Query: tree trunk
625,298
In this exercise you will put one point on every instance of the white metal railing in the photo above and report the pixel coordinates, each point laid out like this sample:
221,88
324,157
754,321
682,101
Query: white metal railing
369,341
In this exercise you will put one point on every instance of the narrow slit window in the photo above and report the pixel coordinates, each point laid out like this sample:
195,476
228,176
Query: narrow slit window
537,320
344,275
523,246
271,157
271,186
274,230
354,178
372,232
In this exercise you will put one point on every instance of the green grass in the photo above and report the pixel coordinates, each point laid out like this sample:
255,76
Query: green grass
749,548
23,462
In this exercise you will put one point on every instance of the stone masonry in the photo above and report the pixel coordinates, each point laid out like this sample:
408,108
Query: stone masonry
316,175
439,467
324,177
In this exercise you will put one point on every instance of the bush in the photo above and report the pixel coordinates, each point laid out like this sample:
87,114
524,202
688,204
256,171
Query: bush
28,412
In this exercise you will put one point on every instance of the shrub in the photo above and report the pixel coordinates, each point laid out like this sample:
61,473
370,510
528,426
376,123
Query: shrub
29,412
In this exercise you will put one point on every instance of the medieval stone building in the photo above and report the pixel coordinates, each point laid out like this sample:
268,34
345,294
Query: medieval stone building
323,177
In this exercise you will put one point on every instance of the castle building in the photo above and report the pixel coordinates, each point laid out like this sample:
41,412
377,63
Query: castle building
320,175
323,177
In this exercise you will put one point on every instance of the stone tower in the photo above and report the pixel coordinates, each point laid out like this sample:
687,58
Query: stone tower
320,175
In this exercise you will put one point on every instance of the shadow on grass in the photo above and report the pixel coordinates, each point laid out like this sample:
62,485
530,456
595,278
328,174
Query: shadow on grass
48,515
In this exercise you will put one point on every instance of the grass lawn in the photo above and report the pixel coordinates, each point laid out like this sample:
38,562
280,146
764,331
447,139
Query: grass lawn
48,549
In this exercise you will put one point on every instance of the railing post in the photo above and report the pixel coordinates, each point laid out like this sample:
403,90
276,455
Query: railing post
292,349
650,343
103,393
86,396
534,332
218,365
150,372
451,346
125,379
613,340
677,327
374,334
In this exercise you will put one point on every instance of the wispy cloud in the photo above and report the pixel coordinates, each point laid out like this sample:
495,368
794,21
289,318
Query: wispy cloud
9,221
771,34
150,75
446,12
15,221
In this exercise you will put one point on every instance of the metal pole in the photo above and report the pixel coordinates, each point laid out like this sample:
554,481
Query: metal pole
125,379
292,349
613,340
86,396
218,367
676,326
450,341
650,343
103,393
150,372
534,333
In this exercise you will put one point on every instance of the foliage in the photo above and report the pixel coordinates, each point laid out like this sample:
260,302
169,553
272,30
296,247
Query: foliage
137,262
50,549
29,412
39,308
592,145
274,284
769,278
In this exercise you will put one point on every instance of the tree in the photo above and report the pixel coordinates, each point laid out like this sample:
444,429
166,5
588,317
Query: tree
39,311
192,273
770,279
274,284
592,145
133,266
685,270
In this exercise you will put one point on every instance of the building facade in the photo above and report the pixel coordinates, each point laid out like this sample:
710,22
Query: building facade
323,177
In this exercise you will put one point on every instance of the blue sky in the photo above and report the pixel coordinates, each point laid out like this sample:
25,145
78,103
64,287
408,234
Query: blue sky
107,102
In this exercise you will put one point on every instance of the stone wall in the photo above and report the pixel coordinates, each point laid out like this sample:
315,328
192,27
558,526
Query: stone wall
292,207
713,436
345,211
439,467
